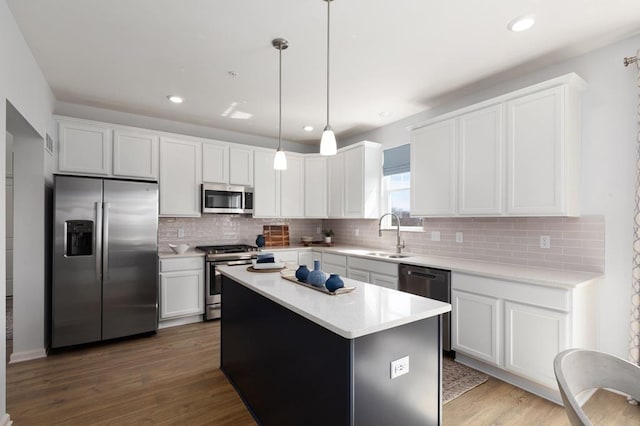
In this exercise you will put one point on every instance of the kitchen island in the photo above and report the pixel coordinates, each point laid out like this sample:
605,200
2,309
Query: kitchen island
298,356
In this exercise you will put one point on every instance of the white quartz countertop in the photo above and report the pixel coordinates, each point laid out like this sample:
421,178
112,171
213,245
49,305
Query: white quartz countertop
538,276
366,310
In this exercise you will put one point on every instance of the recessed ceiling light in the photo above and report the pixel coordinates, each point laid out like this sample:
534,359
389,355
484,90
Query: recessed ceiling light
308,128
522,23
175,99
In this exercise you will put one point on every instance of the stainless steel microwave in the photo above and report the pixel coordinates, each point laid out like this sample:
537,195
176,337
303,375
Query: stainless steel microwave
221,198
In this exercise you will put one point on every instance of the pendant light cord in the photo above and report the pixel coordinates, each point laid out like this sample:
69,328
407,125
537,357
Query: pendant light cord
280,99
328,48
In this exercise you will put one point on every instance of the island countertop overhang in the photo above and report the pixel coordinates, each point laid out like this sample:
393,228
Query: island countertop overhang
366,310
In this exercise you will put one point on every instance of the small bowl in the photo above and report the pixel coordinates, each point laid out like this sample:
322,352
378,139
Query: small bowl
180,248
306,239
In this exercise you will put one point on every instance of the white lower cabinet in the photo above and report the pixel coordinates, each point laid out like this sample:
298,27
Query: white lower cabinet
384,274
333,264
181,294
518,328
181,287
475,327
306,257
358,275
533,337
286,256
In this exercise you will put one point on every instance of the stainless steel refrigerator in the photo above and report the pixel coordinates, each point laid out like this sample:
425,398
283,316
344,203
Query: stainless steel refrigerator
105,260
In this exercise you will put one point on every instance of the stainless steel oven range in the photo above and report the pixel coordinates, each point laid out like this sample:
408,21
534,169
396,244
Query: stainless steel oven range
230,254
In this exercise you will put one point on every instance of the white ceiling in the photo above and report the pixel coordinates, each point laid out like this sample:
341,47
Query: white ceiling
395,55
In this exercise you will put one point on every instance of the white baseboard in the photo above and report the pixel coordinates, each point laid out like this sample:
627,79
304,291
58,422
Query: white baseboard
179,321
6,420
28,355
552,395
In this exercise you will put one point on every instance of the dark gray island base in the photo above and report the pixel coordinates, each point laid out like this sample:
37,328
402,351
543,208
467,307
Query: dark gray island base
291,371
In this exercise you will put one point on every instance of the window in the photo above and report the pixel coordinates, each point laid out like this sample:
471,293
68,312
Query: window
396,185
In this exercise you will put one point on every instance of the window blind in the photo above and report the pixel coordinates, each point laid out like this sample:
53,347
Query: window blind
396,160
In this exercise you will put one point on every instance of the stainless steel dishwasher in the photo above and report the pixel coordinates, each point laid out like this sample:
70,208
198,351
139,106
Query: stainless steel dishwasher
432,283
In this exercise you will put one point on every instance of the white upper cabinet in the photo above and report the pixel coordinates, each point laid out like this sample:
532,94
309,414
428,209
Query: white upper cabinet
516,155
180,177
292,187
240,166
433,169
354,176
266,191
93,148
362,178
135,154
215,162
315,186
481,161
84,147
335,189
543,148
278,193
227,163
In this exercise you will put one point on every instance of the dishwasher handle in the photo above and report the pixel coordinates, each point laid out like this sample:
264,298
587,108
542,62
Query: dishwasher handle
422,275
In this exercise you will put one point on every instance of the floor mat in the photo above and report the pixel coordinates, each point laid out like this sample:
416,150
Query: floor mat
458,379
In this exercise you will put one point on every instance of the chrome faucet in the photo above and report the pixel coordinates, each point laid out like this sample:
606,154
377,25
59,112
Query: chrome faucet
399,246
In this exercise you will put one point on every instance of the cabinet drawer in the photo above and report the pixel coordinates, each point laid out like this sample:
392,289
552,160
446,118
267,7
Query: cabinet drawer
531,294
286,256
334,259
380,267
181,264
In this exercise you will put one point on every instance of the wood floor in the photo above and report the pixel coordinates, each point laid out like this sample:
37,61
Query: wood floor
172,378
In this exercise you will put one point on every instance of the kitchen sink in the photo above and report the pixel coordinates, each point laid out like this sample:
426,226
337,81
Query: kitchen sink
387,255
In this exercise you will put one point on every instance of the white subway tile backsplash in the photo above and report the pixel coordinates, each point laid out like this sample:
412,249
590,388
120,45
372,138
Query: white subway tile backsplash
577,244
228,229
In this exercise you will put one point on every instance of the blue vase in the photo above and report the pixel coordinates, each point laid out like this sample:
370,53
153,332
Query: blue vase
260,241
302,273
316,277
334,282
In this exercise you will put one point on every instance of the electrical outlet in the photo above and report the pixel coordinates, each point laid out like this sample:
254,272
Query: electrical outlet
459,237
399,367
545,241
435,235
318,230
180,232
357,232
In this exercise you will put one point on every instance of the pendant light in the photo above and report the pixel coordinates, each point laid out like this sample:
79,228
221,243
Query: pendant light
280,160
328,140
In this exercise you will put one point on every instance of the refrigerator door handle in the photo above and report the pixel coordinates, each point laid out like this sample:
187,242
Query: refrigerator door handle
98,241
105,238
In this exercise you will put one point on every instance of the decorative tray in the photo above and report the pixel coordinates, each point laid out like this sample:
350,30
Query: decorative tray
342,290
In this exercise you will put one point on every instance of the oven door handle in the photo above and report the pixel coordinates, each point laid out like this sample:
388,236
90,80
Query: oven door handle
235,262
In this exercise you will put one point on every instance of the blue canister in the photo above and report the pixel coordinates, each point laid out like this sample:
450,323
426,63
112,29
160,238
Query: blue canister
334,282
302,273
260,241
316,277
